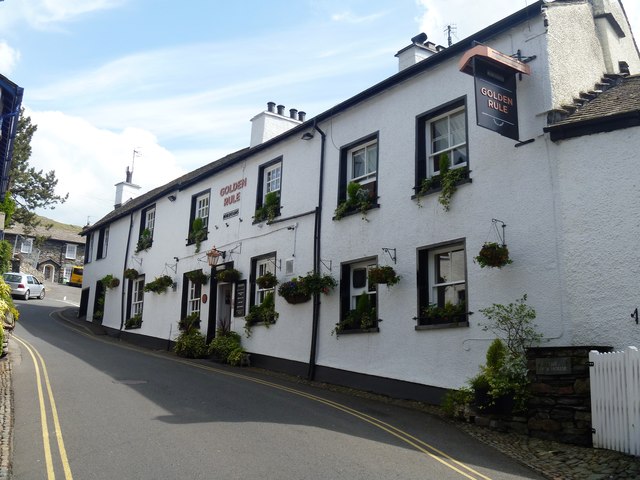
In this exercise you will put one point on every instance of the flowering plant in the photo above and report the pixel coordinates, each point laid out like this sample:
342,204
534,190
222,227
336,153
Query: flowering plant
300,289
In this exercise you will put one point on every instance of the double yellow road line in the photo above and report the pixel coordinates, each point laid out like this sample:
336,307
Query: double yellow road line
42,375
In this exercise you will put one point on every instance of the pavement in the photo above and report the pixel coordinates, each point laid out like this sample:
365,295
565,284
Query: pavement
553,460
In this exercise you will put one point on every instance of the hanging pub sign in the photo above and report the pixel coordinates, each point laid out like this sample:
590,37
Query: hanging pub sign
495,88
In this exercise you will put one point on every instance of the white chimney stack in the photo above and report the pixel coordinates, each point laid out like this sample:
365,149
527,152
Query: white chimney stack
417,51
271,123
126,190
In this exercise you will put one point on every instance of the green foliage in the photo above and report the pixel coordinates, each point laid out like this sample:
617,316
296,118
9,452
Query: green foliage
385,275
433,314
363,317
190,322
505,371
265,313
270,208
198,232
191,344
197,276
493,255
8,206
268,280
447,181
109,281
236,356
228,275
224,344
300,289
455,401
6,253
358,199
159,284
145,241
29,188
131,273
133,322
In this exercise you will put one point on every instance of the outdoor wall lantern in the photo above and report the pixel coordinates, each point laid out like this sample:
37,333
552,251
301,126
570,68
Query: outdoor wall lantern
213,256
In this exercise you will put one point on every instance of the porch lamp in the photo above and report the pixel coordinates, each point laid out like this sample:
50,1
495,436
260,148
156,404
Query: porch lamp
214,255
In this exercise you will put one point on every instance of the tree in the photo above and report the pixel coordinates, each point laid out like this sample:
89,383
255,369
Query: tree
28,188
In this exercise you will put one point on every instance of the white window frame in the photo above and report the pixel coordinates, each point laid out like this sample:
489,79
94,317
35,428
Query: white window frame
369,175
433,156
202,208
26,246
272,179
263,266
355,292
137,296
150,220
194,302
436,283
71,251
105,242
88,254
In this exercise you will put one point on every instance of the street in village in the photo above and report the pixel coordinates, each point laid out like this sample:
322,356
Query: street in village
117,411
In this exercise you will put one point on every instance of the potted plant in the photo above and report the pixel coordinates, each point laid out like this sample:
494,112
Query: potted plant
131,273
269,209
109,281
268,280
493,255
228,275
198,232
198,277
449,313
145,241
159,284
133,322
358,199
363,317
264,313
385,274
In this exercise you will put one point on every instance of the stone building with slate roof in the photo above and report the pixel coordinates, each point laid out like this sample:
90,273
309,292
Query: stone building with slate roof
524,134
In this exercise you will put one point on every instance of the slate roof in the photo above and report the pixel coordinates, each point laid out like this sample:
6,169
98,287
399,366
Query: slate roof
55,233
616,108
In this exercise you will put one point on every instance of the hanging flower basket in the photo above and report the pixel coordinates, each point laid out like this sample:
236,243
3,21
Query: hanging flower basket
493,255
131,273
385,274
109,281
229,275
299,290
197,277
268,280
159,284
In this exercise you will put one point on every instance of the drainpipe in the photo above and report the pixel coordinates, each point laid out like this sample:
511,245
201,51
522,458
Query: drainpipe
316,260
123,304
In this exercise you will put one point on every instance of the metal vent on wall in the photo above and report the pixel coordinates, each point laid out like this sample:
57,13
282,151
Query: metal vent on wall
288,266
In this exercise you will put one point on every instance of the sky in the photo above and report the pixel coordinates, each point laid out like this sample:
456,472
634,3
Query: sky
178,82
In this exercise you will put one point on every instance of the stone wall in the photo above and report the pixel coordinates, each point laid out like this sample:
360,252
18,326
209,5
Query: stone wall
560,405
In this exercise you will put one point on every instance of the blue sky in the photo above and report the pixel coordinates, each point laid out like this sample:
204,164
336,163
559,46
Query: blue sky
179,81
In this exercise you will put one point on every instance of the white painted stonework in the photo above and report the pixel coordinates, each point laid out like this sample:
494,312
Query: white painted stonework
571,209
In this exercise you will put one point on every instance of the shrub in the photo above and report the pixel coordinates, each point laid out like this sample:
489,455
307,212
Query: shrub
222,346
6,252
236,356
190,322
191,344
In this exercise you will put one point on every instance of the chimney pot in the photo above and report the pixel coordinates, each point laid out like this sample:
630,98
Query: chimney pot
271,107
280,109
302,116
293,113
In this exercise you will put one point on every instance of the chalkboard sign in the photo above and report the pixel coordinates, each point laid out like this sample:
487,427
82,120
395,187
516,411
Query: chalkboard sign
553,366
241,299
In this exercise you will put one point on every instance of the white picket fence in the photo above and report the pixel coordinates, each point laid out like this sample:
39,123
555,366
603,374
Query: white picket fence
615,400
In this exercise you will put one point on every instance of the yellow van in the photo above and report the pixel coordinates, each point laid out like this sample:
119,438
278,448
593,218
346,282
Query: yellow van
76,277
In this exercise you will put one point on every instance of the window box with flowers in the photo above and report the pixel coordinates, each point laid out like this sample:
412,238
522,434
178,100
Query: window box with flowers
145,241
358,200
263,314
133,322
270,209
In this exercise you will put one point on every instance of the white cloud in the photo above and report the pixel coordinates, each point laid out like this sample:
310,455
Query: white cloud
89,161
8,58
47,13
350,17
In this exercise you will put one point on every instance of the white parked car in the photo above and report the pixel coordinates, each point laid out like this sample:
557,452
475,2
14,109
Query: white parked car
23,285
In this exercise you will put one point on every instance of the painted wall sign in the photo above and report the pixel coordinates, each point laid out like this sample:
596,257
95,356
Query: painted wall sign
239,305
231,193
496,102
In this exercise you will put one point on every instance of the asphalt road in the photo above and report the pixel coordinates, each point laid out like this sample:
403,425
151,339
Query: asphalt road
116,411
